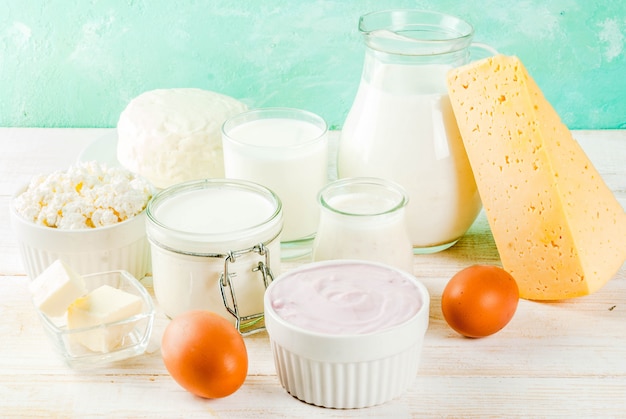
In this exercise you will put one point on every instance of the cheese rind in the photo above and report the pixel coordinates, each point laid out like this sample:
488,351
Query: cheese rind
56,288
101,306
558,228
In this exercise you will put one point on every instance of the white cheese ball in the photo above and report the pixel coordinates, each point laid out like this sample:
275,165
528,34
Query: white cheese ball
86,195
170,136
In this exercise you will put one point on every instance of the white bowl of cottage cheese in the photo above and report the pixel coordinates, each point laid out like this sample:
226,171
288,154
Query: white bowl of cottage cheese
91,216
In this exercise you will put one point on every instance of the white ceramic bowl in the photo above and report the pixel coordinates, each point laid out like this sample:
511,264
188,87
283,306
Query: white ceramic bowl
346,370
136,330
123,246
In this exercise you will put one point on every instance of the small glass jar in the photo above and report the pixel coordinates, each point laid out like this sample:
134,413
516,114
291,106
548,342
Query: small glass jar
215,246
363,218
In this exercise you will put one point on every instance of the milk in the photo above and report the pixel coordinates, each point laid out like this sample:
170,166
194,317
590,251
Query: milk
289,156
192,229
366,224
214,212
401,127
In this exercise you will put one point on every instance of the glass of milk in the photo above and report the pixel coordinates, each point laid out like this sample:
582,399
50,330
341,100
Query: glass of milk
401,126
285,150
364,218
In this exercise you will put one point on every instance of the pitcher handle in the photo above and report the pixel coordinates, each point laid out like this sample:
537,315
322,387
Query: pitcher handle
483,50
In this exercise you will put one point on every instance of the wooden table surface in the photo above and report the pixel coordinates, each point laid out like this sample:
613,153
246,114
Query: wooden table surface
565,359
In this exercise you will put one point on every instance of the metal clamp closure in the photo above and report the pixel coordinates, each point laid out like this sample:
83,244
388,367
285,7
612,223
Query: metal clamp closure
254,322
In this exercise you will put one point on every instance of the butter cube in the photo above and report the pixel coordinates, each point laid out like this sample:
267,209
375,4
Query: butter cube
56,288
103,305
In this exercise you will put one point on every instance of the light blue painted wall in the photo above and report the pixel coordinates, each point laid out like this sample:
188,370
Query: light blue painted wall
77,63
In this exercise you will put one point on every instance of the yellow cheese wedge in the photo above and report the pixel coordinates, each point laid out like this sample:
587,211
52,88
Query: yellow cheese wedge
558,228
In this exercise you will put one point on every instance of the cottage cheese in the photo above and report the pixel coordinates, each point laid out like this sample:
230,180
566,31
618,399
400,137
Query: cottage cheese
170,136
87,195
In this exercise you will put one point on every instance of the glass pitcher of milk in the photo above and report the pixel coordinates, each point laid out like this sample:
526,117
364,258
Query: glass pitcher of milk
401,126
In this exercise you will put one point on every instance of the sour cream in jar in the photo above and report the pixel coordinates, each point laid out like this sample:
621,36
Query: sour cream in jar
200,229
363,218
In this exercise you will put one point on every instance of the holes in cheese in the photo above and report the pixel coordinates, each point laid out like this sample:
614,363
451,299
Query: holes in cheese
558,228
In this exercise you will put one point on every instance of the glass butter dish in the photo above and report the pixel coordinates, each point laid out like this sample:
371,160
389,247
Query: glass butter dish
130,334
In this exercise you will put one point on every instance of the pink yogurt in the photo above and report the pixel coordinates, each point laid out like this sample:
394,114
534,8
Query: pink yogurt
350,298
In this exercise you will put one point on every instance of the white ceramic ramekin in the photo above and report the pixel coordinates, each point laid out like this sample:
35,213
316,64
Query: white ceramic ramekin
123,246
347,370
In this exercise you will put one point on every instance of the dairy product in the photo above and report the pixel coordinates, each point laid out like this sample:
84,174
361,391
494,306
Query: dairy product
401,127
101,306
276,133
56,288
559,230
363,218
287,155
86,195
193,227
200,211
345,299
174,135
344,333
